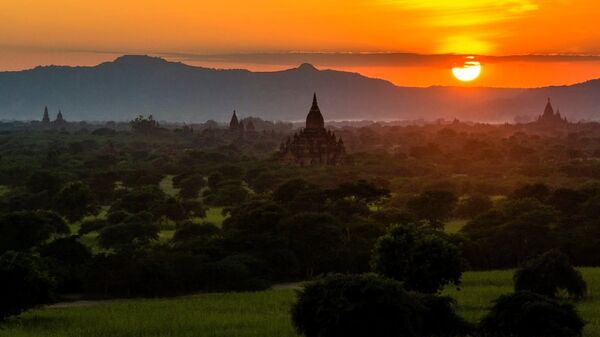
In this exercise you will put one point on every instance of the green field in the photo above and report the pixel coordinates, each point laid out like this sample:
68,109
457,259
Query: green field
260,314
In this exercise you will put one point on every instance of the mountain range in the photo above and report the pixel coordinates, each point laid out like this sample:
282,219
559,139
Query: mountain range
133,85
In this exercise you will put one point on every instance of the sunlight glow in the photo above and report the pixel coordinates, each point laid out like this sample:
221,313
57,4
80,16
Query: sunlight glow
468,72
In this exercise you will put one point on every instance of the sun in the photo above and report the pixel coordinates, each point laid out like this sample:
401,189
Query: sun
469,71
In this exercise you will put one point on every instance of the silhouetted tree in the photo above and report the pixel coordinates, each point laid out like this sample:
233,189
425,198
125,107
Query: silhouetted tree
525,314
423,260
24,283
74,201
434,206
548,274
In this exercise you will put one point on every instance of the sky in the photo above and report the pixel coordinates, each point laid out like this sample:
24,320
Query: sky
520,43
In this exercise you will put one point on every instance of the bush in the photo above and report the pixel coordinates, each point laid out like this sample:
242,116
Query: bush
439,316
423,260
548,274
525,314
370,305
361,305
23,283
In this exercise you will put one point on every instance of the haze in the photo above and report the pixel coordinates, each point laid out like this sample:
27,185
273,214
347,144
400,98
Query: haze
237,34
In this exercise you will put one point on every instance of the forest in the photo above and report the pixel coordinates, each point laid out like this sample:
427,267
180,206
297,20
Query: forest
145,210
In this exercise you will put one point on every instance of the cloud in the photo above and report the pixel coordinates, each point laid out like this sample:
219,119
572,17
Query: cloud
460,13
367,59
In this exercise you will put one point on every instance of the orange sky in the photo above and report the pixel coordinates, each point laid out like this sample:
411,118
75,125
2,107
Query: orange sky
74,32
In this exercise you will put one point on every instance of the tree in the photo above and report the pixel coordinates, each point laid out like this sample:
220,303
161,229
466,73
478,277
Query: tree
535,191
511,233
548,274
142,199
23,283
21,231
44,181
525,314
226,195
74,201
174,210
423,260
355,305
313,237
361,190
434,206
189,231
299,195
135,230
286,192
473,206
566,200
190,186
67,258
370,305
144,125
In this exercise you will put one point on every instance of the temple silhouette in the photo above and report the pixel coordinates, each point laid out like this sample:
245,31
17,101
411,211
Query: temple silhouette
59,121
550,118
313,145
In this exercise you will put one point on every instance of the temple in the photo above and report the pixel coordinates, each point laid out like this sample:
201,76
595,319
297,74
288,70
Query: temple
313,145
549,118
235,125
59,121
46,117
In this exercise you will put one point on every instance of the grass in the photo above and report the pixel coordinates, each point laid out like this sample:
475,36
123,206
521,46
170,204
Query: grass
455,225
4,190
259,314
215,216
166,185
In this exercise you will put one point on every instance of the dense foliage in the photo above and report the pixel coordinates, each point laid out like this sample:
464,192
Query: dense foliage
122,210
549,274
525,314
370,305
422,259
23,283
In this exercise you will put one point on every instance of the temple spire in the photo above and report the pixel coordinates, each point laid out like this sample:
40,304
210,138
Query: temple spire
549,111
315,120
46,117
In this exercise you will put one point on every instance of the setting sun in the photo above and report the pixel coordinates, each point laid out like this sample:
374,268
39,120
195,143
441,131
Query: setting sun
469,71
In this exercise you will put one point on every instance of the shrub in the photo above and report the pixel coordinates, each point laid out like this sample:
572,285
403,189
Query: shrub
423,260
548,274
525,314
360,305
439,316
23,283
370,305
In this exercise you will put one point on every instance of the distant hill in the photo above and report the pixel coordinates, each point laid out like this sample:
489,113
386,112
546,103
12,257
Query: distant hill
132,85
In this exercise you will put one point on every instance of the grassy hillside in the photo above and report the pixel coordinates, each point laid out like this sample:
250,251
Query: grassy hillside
261,314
